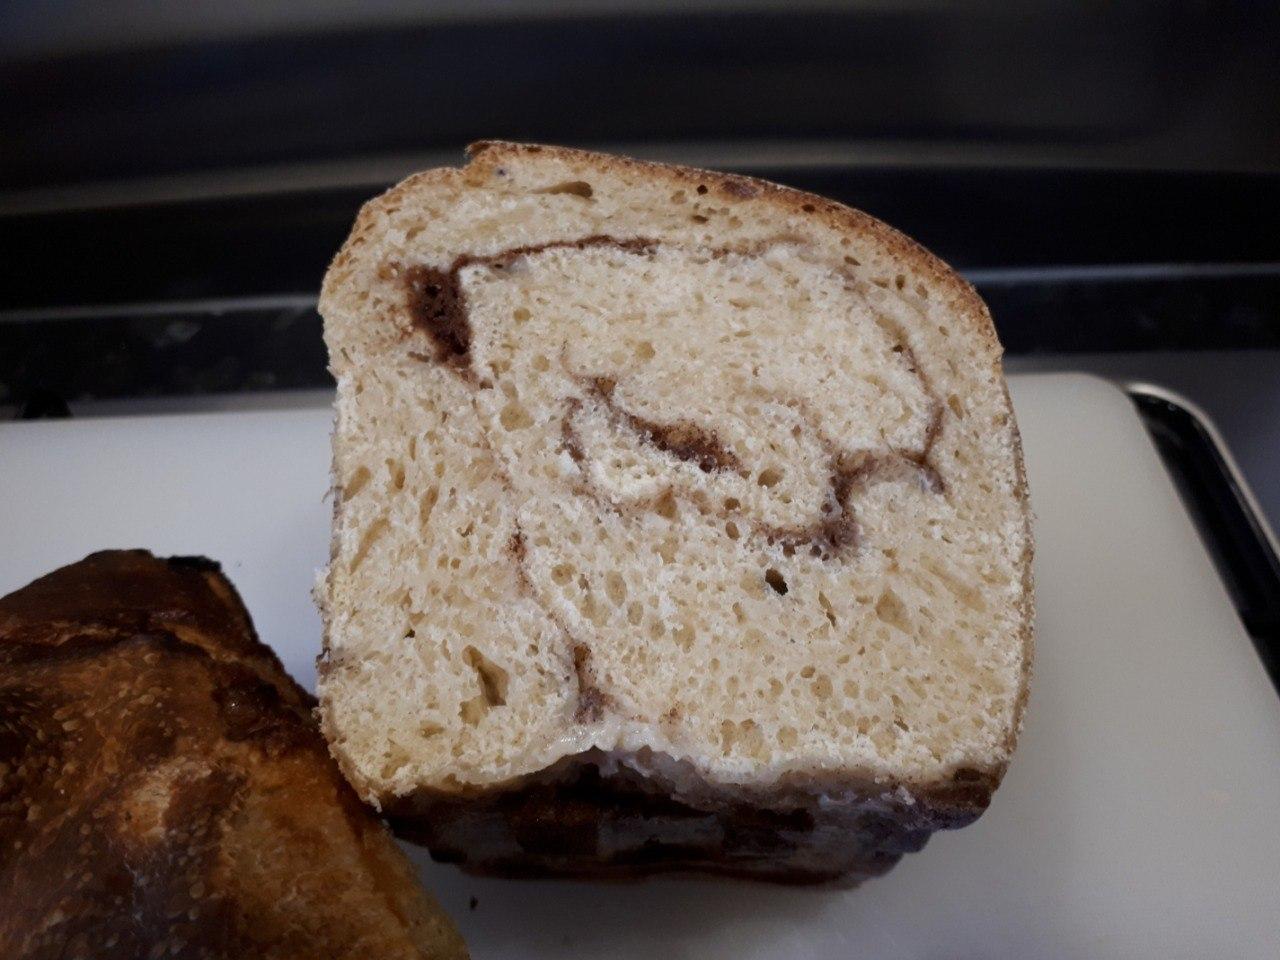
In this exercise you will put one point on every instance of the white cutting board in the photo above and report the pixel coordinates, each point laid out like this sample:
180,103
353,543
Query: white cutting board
1141,816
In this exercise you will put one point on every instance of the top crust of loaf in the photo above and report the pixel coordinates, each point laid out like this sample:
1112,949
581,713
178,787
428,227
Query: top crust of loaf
166,791
356,340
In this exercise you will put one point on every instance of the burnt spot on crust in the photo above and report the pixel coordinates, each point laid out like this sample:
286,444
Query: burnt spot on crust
250,707
437,307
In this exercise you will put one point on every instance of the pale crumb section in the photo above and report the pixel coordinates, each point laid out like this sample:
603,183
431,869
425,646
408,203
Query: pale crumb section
489,529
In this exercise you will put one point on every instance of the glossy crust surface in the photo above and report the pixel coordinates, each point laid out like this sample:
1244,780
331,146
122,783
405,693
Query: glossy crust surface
164,790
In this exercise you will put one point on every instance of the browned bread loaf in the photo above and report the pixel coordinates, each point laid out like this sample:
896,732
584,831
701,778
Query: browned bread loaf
680,524
164,791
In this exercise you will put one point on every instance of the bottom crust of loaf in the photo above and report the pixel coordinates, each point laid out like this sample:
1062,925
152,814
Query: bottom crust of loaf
585,819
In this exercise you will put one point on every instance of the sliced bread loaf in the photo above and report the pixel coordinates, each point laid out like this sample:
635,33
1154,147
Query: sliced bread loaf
680,523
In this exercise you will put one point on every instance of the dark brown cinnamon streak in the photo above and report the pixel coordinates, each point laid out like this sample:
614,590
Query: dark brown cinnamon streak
437,306
681,439
437,303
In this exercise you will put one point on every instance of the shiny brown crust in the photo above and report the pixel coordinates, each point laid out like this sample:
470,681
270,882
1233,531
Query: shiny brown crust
473,826
164,790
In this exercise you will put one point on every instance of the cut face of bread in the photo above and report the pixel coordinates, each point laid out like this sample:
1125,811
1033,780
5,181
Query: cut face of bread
680,524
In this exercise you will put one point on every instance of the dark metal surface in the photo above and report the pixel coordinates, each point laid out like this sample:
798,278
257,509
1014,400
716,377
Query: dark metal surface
974,218
1234,532
1168,82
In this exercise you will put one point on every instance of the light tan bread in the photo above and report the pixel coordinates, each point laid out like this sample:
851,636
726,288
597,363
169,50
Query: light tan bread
680,523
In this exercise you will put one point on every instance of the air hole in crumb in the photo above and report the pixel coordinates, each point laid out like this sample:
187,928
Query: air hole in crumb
684,637
397,473
731,529
520,314
427,505
376,530
515,417
731,503
678,197
777,581
891,610
666,506
577,188
644,350
826,608
562,573
702,189
615,587
473,710
769,476
698,218
356,483
900,281
957,407
808,207
493,679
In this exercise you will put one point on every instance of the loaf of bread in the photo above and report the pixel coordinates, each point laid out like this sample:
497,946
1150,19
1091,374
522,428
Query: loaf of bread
164,791
680,524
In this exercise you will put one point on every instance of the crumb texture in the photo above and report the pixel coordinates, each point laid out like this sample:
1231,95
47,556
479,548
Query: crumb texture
637,462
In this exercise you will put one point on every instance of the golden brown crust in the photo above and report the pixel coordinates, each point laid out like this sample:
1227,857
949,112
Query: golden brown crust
164,791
